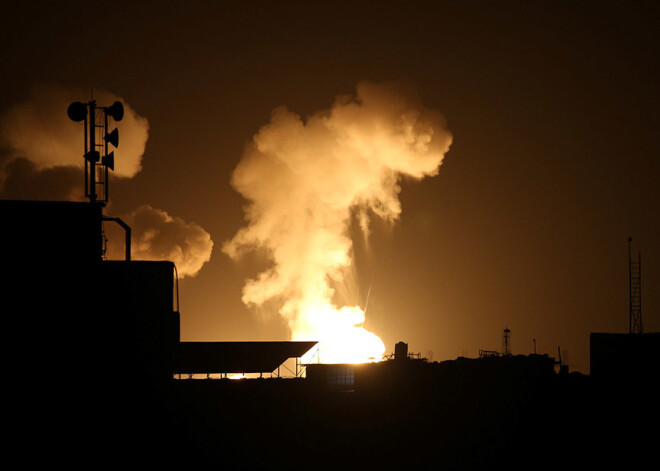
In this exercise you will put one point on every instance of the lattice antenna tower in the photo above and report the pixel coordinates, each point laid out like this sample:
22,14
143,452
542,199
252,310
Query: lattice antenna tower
635,291
97,163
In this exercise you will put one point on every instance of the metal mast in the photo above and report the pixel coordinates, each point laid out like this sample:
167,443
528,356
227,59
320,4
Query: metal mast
97,165
635,296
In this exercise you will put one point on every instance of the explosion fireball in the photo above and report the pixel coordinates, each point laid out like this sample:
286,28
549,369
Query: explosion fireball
304,180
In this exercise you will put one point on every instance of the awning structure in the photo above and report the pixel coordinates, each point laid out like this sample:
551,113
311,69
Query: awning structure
236,357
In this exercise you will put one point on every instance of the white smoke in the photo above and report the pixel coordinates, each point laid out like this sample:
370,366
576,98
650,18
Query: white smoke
303,179
40,130
159,236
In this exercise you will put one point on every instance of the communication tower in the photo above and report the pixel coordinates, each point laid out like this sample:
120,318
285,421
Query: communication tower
635,287
97,165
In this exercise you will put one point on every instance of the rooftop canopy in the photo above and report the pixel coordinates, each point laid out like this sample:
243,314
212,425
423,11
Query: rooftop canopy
236,357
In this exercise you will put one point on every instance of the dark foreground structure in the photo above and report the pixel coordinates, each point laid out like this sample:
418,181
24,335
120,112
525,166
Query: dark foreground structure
93,351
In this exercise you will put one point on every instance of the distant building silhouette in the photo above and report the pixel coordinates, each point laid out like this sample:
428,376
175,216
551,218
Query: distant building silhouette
95,347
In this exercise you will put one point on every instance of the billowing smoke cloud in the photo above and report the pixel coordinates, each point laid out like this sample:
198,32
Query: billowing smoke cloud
24,181
159,236
40,130
304,179
41,158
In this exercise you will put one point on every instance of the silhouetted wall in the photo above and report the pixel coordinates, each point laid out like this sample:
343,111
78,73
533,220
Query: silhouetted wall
87,343
624,356
43,232
67,310
136,308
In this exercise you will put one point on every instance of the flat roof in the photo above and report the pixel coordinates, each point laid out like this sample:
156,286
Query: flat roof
236,357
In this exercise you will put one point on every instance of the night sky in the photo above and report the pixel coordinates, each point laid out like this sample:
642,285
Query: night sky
553,109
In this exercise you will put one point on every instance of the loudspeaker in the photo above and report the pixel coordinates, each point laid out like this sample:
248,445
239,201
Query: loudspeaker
116,111
77,111
109,160
113,137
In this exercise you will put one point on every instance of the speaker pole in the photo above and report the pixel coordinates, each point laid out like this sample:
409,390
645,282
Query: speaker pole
92,149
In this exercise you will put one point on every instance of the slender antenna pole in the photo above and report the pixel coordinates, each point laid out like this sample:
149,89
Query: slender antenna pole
92,150
635,292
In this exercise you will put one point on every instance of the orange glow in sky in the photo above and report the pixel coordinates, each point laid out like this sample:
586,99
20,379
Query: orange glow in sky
341,335
306,180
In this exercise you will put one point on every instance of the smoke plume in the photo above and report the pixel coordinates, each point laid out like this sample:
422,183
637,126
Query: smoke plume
303,181
20,179
39,129
159,236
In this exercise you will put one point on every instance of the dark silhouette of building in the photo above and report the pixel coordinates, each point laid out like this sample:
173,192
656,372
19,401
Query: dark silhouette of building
93,350
95,344
630,357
